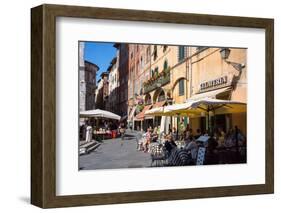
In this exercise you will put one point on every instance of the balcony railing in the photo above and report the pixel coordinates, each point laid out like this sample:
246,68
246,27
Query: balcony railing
162,80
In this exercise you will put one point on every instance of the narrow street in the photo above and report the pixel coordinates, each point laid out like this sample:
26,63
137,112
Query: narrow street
114,154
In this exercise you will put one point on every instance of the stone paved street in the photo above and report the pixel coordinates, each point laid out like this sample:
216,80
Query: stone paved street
115,153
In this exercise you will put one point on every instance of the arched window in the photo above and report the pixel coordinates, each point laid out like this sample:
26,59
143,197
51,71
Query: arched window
147,99
161,96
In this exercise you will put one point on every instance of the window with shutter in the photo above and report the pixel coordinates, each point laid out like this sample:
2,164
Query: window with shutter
181,87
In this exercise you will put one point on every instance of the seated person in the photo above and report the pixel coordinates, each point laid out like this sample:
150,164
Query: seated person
212,155
169,144
192,147
154,135
179,157
198,133
174,134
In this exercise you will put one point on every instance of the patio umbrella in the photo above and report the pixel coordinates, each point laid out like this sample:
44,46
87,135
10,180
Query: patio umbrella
98,113
180,109
195,108
217,106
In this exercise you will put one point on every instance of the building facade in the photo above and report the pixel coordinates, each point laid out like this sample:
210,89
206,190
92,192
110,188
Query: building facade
87,81
113,84
122,107
214,75
143,77
102,92
163,77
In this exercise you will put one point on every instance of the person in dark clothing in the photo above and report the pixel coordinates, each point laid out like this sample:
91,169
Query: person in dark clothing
170,144
198,133
211,155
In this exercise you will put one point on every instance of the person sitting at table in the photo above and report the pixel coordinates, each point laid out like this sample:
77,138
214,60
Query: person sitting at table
187,134
179,157
198,133
174,134
169,144
192,147
154,135
220,137
229,138
211,154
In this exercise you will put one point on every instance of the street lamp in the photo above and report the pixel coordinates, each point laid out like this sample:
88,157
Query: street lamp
225,52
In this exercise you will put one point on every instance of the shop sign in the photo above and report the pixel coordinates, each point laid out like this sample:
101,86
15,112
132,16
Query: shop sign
213,83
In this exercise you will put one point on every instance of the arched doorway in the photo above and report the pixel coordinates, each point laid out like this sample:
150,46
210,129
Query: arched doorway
159,98
179,94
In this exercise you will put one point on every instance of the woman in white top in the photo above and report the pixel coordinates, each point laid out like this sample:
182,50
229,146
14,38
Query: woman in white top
89,133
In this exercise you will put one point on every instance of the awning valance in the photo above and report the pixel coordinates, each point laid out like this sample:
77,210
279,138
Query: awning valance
140,116
210,94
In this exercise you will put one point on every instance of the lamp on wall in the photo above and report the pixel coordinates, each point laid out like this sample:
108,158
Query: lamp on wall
225,52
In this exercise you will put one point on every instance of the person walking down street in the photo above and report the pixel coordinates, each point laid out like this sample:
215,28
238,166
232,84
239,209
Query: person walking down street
89,133
122,132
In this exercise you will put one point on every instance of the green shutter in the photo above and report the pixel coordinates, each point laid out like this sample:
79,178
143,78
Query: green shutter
181,87
181,53
165,65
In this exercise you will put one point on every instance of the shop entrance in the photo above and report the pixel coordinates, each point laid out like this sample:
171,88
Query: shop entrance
157,121
219,121
203,124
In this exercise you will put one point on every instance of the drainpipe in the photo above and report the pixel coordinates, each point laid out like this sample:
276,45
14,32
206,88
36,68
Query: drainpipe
189,68
190,71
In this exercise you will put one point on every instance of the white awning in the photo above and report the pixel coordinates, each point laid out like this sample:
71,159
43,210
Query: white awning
210,94
98,113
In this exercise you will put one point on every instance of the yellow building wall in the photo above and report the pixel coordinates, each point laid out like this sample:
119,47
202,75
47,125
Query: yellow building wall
177,73
240,120
208,65
194,124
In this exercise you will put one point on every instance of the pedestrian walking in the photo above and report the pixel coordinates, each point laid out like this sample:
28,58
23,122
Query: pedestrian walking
89,133
122,132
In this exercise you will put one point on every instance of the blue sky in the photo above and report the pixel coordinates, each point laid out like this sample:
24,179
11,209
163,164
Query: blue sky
99,53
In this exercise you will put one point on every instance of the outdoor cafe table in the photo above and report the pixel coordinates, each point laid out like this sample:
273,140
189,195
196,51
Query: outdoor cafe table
103,134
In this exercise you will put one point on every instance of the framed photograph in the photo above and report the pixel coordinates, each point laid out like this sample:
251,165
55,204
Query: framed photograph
140,106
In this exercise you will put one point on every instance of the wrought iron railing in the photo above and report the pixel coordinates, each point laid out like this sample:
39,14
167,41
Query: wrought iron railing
160,81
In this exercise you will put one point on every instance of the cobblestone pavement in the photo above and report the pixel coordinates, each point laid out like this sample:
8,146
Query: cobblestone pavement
114,154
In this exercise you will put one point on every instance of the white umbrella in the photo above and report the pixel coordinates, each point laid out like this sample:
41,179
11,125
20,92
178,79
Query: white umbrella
98,113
